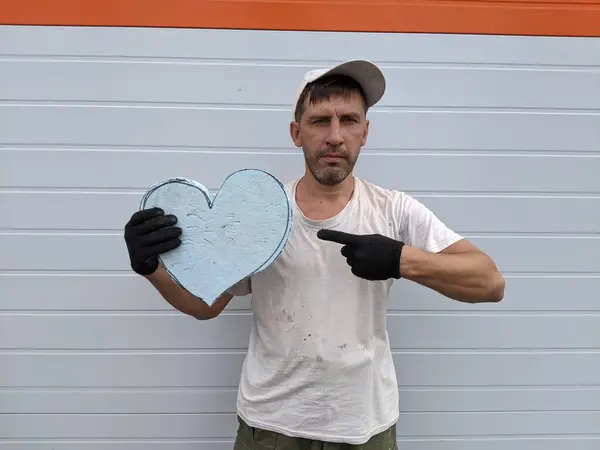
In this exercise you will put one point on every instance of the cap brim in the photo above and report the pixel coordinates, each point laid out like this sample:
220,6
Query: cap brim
367,74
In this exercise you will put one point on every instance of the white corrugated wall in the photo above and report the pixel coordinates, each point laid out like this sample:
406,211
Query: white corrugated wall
500,136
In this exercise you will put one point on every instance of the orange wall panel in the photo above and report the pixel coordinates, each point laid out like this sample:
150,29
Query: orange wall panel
515,17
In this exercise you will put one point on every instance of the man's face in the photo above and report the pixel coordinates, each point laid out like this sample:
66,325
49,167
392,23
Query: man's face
331,134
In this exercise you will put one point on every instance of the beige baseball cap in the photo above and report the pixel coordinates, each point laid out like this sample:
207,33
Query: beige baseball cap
366,73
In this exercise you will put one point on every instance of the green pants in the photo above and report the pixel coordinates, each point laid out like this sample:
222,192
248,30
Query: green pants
249,438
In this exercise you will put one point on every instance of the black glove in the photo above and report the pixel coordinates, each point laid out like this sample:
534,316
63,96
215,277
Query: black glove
149,233
371,256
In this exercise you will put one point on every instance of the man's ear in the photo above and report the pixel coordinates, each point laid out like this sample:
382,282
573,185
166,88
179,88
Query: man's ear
365,134
295,133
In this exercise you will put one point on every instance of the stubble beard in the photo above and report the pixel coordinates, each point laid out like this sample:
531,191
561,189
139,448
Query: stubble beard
330,174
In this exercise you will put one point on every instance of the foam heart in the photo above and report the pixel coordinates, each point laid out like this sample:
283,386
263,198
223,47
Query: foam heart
225,239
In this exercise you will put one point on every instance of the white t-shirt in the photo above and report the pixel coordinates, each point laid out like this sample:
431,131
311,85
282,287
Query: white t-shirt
319,363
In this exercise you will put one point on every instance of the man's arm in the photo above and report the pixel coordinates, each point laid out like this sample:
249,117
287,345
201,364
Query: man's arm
184,301
437,257
461,272
151,232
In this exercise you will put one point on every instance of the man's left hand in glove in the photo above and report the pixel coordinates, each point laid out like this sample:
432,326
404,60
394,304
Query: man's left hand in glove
370,256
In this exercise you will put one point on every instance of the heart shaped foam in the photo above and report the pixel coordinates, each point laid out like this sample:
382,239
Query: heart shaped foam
225,239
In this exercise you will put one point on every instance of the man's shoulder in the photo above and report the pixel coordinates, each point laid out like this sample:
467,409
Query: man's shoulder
373,191
289,185
394,201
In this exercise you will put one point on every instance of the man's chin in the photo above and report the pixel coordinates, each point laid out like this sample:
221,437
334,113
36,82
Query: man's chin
330,176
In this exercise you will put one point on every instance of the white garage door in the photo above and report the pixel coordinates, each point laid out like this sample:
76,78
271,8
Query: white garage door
499,136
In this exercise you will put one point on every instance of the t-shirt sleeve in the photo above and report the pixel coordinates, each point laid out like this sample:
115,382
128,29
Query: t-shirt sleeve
241,288
421,228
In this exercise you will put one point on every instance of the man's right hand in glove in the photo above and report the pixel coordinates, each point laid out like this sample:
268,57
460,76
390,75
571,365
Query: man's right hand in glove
149,233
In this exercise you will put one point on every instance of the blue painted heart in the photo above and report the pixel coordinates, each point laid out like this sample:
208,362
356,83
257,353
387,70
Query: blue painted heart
225,239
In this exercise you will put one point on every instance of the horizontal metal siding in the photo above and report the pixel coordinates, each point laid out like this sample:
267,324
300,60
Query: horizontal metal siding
100,251
500,136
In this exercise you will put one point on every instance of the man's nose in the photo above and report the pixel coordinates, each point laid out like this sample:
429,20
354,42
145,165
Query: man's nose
335,135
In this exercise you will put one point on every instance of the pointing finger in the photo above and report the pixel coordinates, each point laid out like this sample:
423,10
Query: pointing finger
339,236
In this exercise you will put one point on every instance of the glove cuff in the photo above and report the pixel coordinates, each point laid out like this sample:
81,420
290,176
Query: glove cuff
398,246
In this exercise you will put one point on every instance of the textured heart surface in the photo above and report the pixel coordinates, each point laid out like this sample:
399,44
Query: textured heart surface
224,239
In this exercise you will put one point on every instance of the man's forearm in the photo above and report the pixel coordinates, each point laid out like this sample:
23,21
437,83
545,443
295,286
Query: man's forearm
469,277
182,300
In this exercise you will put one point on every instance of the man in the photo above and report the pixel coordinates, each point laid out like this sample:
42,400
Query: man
319,369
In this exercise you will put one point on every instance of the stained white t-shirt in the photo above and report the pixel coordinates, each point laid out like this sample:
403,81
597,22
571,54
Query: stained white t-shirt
319,363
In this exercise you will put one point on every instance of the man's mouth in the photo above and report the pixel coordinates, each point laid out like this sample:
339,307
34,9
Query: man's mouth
333,157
